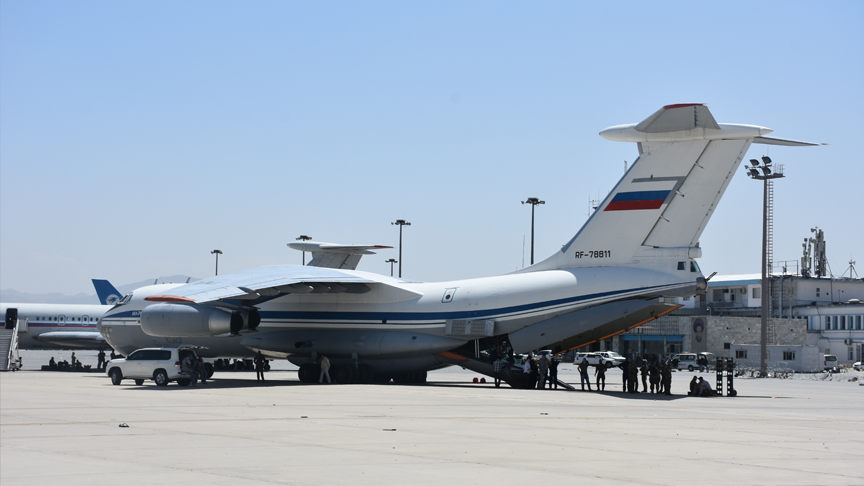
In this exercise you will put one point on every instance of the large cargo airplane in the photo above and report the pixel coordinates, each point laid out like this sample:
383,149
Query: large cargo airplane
640,245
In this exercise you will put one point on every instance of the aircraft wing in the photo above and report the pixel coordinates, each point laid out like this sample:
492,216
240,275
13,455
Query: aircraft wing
259,284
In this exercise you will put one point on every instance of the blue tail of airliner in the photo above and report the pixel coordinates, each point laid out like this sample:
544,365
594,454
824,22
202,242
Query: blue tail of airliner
108,295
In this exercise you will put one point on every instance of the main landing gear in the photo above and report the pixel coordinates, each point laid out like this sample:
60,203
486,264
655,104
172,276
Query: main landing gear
347,374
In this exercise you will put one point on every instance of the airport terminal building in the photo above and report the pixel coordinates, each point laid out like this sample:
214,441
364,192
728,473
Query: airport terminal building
826,314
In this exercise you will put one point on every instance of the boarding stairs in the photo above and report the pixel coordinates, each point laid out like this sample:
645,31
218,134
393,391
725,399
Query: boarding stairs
9,347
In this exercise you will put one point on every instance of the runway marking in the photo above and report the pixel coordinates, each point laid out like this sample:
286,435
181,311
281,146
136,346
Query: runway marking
395,417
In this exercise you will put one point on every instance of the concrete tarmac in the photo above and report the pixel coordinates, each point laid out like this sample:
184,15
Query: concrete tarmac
65,429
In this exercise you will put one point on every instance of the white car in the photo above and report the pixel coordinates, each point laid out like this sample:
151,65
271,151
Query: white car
858,366
607,358
162,365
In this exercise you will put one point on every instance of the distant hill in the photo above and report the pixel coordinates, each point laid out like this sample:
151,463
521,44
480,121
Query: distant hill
12,295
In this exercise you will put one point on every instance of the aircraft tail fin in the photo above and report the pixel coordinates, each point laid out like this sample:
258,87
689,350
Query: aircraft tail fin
661,206
108,295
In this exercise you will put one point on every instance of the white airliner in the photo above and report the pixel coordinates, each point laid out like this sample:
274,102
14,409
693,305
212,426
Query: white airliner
641,244
62,326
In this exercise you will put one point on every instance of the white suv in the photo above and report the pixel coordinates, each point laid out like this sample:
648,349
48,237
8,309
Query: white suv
162,365
608,358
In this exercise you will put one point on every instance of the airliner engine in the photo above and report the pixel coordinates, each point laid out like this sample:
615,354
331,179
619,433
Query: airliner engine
180,320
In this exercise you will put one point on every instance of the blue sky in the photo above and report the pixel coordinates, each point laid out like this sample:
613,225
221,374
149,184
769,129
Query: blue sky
135,137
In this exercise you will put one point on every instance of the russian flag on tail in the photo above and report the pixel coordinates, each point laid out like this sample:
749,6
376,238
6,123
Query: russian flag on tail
624,201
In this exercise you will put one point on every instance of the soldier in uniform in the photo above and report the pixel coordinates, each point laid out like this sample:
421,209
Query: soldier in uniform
634,386
667,379
654,377
625,370
600,373
643,370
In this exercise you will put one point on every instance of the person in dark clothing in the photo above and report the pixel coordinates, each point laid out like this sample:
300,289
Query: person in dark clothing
100,359
583,373
600,373
532,378
625,371
259,366
654,377
667,379
631,374
553,373
693,386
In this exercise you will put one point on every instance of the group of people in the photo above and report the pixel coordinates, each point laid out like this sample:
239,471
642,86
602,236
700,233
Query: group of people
658,374
194,367
536,373
700,388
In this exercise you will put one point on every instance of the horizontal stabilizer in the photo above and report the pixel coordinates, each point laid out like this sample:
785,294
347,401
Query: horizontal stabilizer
676,118
77,339
334,255
788,143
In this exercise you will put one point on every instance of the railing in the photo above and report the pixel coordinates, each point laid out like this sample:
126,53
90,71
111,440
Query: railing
13,346
736,304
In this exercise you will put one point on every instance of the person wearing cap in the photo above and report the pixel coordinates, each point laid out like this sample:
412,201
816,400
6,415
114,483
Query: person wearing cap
654,377
643,371
625,367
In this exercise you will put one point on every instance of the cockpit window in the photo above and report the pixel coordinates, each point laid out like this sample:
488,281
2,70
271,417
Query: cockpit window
694,267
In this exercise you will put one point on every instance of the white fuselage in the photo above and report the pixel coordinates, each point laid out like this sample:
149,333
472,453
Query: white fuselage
512,301
55,318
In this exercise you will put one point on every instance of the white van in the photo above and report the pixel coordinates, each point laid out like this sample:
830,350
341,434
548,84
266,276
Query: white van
687,361
830,362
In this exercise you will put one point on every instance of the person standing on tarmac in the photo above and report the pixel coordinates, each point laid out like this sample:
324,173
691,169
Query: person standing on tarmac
259,366
325,369
583,374
534,373
643,370
498,367
667,379
633,383
625,371
553,373
544,371
654,377
100,359
600,373
189,369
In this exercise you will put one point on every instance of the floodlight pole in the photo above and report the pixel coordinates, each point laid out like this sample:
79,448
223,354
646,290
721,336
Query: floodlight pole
391,262
533,201
401,223
304,238
766,176
217,252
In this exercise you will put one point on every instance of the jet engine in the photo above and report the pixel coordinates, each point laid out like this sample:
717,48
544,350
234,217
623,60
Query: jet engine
180,320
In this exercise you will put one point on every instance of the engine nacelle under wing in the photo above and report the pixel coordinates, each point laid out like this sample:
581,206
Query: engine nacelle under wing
180,320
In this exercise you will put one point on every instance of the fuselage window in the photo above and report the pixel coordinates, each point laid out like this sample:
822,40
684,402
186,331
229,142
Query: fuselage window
681,266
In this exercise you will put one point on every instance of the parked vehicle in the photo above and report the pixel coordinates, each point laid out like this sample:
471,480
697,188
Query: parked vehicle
685,361
858,366
830,362
162,365
607,358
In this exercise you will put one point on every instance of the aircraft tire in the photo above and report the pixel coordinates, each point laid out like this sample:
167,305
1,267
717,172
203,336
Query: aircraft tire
420,377
382,378
161,378
116,376
208,368
309,373
366,375
139,382
403,378
343,374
